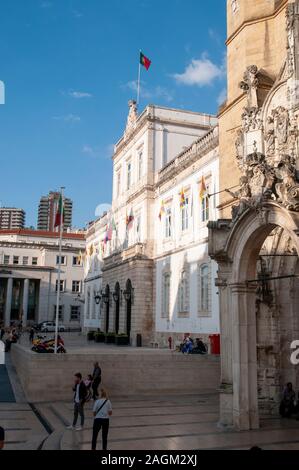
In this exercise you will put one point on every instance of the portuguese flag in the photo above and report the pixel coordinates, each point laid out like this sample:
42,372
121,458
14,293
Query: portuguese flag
59,219
145,61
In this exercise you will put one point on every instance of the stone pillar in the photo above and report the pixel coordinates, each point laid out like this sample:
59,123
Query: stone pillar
244,357
226,386
8,302
25,301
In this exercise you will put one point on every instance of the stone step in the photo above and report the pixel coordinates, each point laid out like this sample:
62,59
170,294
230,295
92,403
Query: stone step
53,442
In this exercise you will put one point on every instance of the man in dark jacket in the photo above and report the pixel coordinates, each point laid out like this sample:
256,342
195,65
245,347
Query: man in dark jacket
96,380
2,437
80,393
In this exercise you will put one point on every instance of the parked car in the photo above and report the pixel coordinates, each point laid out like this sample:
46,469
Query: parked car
51,326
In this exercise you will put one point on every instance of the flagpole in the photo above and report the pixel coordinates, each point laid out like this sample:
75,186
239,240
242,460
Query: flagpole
138,82
59,275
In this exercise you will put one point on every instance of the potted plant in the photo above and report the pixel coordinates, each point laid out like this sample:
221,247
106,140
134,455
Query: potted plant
99,337
90,336
122,339
110,338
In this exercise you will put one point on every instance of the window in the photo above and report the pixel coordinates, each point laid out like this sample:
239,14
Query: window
129,175
25,260
138,228
184,292
15,260
76,261
168,221
63,259
60,313
166,295
62,285
204,275
34,261
140,164
76,287
205,208
118,183
75,313
6,259
185,215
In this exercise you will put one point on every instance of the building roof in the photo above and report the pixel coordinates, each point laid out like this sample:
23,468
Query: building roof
43,234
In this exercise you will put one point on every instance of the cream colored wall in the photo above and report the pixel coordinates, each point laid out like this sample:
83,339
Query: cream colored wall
256,36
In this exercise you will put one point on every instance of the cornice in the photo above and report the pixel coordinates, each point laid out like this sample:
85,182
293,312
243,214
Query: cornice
255,21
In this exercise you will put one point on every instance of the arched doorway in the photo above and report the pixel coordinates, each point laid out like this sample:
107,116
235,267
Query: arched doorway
107,305
257,327
116,298
128,294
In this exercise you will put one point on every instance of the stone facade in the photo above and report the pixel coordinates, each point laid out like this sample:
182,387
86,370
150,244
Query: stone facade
257,247
124,242
28,276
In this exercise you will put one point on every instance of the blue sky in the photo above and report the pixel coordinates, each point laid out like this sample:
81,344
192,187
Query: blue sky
70,67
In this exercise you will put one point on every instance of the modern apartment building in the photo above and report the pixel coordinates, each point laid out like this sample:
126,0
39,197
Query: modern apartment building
47,210
11,218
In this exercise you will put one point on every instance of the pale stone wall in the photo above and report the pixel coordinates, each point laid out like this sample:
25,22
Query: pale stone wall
48,378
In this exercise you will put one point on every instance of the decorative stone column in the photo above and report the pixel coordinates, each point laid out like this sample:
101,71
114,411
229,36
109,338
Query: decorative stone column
25,301
226,386
244,357
8,302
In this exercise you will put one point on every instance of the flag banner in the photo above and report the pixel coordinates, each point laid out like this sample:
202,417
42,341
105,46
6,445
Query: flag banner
59,218
130,220
203,189
145,61
162,210
182,199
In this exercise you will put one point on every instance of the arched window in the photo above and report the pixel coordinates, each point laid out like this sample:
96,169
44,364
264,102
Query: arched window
166,295
183,293
204,284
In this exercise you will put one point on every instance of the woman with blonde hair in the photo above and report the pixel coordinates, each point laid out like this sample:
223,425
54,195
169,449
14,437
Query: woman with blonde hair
102,411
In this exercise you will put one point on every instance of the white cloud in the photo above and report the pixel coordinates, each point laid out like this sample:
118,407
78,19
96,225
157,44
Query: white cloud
68,118
79,94
46,4
200,72
155,93
92,151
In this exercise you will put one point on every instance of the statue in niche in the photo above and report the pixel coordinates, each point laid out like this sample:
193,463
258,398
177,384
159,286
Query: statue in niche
281,125
270,136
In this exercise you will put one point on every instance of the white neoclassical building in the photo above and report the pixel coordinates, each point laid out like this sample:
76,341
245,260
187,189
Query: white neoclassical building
28,276
127,248
186,299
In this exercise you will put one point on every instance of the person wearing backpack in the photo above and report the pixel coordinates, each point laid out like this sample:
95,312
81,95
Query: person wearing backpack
80,393
102,411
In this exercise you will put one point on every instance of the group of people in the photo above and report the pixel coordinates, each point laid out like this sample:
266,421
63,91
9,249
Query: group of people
188,346
12,336
289,405
102,408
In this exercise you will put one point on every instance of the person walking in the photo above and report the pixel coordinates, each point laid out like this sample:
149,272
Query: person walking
96,380
2,332
2,438
31,335
80,393
102,411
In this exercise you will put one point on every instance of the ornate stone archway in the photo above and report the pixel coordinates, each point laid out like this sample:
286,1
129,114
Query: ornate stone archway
236,247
